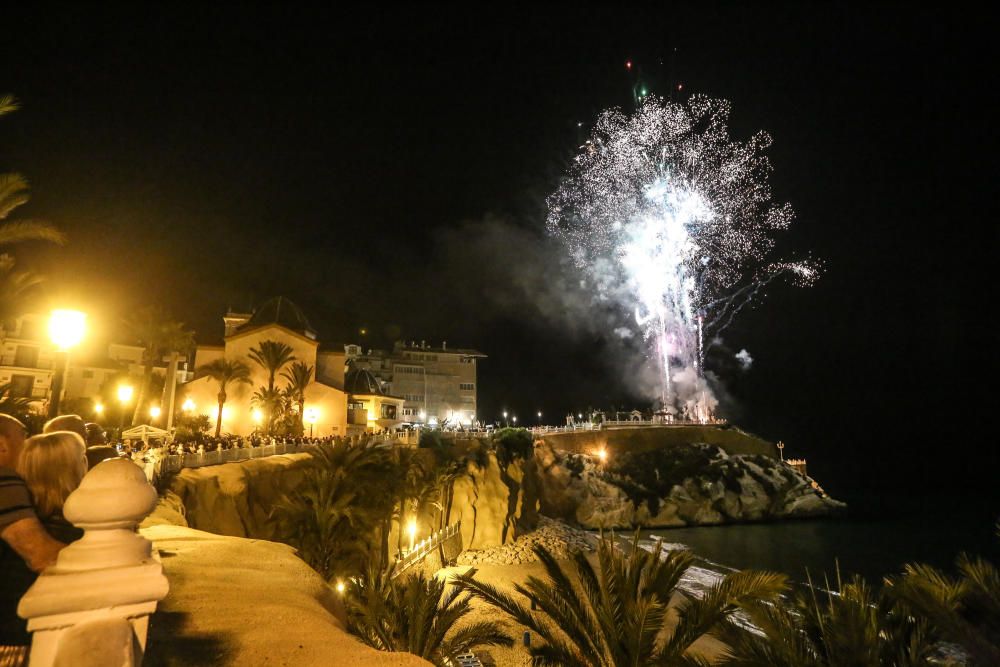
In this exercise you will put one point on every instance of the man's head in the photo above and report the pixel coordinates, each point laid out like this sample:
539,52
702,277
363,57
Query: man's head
96,435
12,434
72,423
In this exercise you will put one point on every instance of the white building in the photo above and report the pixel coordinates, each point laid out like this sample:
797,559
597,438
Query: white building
28,363
437,384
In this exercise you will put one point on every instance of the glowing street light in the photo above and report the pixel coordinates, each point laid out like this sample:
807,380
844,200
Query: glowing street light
98,409
505,422
602,454
188,405
66,330
312,416
154,412
340,587
257,416
411,528
125,392
515,420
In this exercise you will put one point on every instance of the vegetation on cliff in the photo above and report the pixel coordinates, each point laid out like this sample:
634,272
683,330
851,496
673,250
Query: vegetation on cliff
620,612
415,614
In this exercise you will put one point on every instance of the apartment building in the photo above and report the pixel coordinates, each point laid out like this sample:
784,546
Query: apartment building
437,384
28,363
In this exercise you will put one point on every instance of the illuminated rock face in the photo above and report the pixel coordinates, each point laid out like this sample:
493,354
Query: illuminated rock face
689,485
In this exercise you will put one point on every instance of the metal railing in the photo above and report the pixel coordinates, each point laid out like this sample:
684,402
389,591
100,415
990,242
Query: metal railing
406,560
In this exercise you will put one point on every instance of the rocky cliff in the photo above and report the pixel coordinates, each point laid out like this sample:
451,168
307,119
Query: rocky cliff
674,485
236,498
498,501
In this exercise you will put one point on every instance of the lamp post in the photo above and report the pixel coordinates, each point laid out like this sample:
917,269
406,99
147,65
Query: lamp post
539,417
154,413
505,422
124,396
781,450
515,421
311,417
66,330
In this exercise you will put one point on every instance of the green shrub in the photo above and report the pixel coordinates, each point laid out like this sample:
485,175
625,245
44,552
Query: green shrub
512,444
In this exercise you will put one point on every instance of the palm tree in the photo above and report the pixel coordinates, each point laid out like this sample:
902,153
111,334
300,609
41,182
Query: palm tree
850,626
224,372
159,335
331,517
299,375
272,356
16,289
621,616
416,615
966,609
273,404
14,193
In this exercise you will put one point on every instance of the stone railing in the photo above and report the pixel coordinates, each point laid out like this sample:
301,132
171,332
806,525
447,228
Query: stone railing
92,607
421,549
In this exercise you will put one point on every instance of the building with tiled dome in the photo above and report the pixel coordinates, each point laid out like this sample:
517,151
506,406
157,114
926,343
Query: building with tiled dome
279,320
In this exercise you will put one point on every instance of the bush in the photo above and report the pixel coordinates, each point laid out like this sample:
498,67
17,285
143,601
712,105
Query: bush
512,444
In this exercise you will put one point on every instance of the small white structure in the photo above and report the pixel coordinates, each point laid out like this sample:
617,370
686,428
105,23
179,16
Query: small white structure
145,432
93,606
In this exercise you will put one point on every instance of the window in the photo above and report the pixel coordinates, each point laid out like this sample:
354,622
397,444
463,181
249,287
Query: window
26,356
355,405
388,411
88,373
409,412
467,386
21,386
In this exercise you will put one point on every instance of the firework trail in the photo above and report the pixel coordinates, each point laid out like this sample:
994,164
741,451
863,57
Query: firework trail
671,217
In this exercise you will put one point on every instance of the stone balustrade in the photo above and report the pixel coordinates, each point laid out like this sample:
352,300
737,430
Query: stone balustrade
92,607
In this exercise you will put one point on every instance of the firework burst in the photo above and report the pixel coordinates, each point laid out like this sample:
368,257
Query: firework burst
674,218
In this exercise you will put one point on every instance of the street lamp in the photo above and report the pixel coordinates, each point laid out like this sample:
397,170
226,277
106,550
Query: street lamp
505,422
515,421
188,405
539,417
312,416
154,412
98,409
66,330
411,528
124,396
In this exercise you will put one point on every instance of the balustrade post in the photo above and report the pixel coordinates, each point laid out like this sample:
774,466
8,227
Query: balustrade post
93,606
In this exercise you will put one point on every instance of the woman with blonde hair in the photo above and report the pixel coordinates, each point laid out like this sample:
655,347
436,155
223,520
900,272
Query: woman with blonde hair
51,465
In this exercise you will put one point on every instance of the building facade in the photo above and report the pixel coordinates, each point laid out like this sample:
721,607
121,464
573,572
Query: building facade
438,385
281,321
29,361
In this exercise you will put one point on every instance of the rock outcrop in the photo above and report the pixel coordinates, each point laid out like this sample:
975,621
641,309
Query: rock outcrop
560,539
236,498
496,503
683,485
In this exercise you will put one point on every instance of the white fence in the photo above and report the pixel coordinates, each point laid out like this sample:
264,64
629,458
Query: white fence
425,546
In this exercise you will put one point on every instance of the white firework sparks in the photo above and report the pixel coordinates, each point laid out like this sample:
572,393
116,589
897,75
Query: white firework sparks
665,207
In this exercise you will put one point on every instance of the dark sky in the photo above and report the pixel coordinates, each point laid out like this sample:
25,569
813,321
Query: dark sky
348,160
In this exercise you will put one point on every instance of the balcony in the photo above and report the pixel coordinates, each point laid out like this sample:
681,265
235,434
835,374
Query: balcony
11,361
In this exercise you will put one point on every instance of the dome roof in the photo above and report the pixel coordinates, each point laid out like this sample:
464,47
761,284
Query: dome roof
362,381
283,312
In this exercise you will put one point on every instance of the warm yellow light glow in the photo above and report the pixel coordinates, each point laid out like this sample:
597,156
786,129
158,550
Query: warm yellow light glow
98,409
188,406
214,414
602,454
257,416
154,412
125,393
411,528
67,327
340,587
312,415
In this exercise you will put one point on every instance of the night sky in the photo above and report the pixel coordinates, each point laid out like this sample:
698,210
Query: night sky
388,169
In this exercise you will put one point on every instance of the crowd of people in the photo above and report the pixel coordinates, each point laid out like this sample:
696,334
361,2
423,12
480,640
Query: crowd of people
232,442
37,474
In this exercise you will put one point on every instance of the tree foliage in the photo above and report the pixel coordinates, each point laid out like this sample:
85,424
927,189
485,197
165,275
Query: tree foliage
332,517
417,615
617,614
